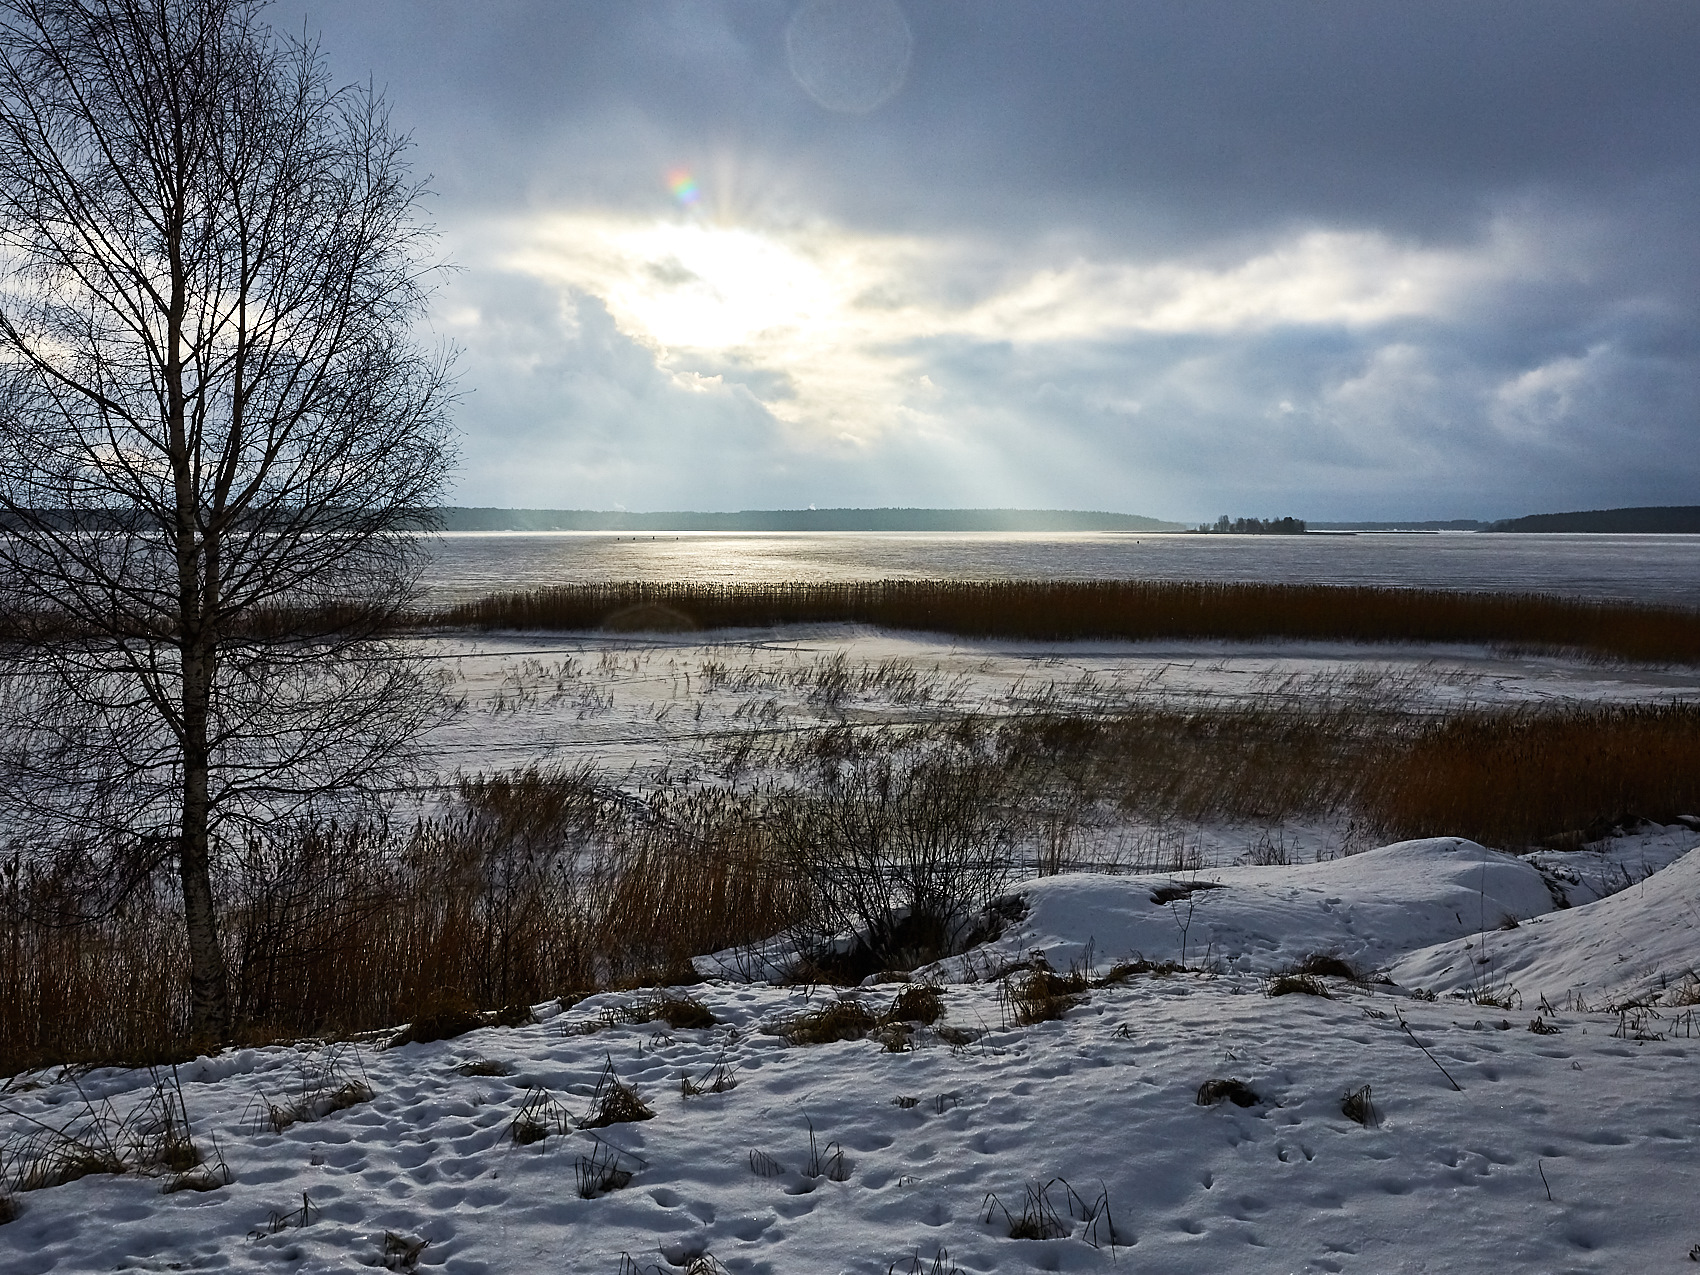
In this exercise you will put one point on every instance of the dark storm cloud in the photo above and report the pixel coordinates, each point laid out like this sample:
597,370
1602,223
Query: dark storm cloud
1545,158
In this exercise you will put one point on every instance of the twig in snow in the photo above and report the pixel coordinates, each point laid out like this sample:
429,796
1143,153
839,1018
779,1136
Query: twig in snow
1419,1044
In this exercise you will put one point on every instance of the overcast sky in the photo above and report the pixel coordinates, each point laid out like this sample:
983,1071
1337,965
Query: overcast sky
1343,258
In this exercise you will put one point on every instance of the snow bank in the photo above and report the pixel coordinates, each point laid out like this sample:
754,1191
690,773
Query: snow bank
1640,944
1370,909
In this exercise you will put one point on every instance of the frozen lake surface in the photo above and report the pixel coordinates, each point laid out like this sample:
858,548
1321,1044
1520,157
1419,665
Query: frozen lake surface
1662,569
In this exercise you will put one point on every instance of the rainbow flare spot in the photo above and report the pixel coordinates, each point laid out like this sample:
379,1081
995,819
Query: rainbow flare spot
683,186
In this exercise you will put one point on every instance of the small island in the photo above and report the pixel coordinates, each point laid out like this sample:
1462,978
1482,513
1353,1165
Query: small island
1252,527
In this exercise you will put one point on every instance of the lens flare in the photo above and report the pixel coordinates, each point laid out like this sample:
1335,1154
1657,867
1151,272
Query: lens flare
683,186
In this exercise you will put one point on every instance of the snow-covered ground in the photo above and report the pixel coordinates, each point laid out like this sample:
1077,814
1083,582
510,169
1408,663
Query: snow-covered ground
1492,1144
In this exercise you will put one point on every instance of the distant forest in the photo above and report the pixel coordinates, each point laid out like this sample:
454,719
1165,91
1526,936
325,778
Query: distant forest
1670,519
461,519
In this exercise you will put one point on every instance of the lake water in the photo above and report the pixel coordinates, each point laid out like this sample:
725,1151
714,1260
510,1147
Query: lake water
1644,568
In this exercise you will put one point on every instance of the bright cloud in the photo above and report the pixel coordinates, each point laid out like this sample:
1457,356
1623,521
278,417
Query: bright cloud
825,326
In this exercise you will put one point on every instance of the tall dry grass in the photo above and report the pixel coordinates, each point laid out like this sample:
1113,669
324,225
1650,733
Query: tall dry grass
1516,778
546,881
1510,778
1131,609
533,885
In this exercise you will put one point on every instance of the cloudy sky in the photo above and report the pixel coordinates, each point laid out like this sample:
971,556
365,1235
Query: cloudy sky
1337,258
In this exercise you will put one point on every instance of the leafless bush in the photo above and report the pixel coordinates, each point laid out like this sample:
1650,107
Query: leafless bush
903,852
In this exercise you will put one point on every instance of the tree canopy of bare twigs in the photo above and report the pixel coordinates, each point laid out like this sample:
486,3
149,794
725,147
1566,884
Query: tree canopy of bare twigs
218,438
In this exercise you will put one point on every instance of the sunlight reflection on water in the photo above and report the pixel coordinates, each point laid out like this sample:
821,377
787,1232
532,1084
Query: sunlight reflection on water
1645,568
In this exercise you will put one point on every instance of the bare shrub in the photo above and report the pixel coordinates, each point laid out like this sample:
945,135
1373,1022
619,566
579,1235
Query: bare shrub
902,851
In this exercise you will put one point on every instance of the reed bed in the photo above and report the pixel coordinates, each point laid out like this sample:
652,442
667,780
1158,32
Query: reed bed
536,885
550,882
1510,778
1129,609
1556,775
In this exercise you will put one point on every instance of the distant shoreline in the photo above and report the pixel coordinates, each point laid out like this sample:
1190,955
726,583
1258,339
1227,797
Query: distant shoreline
1647,520
899,519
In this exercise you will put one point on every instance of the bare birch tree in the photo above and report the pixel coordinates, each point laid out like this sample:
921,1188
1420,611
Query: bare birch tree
217,438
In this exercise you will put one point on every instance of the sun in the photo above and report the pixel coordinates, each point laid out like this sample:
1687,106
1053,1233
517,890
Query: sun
712,288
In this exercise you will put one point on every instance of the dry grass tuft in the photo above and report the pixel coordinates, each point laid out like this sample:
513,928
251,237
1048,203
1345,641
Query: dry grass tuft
154,1137
401,1252
825,1162
1122,971
921,1003
538,1116
1226,1089
941,1265
326,1082
1036,993
1044,1209
720,1078
680,1013
844,1019
1327,965
1295,984
1357,1106
444,1021
614,1102
600,1172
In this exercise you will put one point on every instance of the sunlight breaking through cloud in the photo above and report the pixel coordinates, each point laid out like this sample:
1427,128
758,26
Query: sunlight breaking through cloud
827,327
